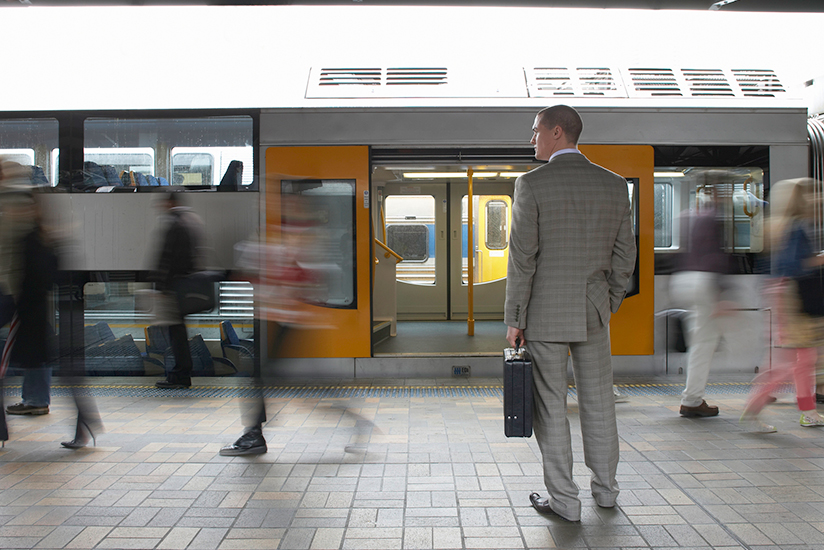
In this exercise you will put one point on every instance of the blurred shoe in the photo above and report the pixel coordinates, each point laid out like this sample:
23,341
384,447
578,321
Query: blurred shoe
773,399
81,437
619,397
250,443
819,398
808,421
701,410
752,424
22,408
173,384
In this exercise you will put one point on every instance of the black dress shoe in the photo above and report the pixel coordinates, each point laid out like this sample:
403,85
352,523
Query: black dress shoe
250,443
542,505
173,384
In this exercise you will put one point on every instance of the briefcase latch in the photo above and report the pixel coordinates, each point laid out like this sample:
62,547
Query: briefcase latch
512,354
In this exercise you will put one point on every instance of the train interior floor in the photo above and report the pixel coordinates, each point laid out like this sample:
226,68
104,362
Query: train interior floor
443,338
385,464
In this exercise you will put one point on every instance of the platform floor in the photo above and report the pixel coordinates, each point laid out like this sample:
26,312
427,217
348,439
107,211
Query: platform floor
399,464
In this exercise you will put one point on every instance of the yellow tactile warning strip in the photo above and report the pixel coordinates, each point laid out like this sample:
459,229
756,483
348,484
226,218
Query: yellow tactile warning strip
344,391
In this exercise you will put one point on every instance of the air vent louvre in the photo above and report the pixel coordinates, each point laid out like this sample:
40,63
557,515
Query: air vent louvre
573,82
350,77
707,83
553,81
655,82
758,82
597,81
415,76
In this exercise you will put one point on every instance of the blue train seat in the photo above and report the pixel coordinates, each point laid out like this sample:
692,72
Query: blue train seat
110,172
163,181
235,349
98,333
119,357
158,347
152,180
140,179
38,176
93,175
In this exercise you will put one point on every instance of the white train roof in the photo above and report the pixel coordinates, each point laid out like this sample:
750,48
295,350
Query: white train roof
357,56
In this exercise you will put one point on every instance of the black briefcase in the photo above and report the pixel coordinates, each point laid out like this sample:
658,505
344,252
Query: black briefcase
517,393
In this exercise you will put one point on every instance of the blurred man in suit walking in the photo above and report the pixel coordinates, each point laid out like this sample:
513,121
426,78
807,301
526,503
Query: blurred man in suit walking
571,255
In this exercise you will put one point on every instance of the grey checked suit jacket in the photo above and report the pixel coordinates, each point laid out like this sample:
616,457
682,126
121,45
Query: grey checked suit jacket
571,241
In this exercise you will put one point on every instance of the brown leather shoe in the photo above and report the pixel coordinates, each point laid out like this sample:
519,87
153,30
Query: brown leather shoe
701,410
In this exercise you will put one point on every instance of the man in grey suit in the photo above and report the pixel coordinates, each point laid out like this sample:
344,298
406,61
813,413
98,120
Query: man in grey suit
571,255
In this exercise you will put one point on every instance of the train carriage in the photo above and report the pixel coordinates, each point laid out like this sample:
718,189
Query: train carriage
390,143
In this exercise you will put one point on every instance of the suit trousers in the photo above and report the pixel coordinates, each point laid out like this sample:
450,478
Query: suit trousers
592,368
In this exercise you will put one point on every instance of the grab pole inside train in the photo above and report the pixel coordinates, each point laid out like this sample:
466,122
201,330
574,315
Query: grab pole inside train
470,258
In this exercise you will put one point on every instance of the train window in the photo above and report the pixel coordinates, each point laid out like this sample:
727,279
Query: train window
491,216
496,225
123,333
662,212
32,142
410,231
409,240
195,152
192,168
322,215
736,192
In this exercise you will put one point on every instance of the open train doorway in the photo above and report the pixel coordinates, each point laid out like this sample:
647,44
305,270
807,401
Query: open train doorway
422,214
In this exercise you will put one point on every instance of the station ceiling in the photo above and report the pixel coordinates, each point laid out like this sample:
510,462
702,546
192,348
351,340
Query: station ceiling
722,5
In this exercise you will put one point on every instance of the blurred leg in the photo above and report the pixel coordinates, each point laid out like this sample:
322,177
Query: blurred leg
804,372
36,386
182,371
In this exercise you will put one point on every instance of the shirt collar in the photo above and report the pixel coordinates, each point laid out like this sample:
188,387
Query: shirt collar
563,152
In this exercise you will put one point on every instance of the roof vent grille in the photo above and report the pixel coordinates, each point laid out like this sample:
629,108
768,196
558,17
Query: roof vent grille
758,83
707,83
577,82
597,81
349,77
415,76
654,82
553,81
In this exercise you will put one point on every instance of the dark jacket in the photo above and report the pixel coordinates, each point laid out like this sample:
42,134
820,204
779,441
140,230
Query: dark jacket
177,255
35,334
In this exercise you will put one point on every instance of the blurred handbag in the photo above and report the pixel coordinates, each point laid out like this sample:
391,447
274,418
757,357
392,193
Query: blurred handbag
811,292
196,291
7,308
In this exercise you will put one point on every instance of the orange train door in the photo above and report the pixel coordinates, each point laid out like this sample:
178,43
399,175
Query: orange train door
631,329
335,184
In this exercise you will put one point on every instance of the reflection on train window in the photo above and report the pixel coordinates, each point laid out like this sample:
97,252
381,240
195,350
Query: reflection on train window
324,212
192,168
410,232
738,194
662,195
32,142
199,153
122,335
491,217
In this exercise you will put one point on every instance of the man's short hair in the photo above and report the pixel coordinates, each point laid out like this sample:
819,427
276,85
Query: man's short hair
564,116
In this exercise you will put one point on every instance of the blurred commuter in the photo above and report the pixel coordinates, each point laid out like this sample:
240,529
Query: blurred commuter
799,330
180,255
571,256
697,285
28,274
282,287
